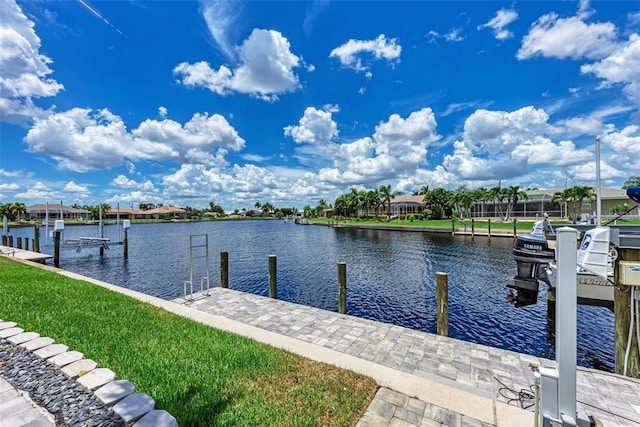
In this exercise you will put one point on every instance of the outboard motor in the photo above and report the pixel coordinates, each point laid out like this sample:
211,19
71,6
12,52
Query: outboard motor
532,255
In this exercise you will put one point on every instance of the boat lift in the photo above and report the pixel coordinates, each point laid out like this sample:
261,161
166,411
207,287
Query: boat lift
197,242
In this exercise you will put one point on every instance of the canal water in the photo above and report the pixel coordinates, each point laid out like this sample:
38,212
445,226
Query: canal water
390,277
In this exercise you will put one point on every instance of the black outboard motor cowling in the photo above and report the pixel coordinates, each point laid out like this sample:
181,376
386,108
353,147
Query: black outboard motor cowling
532,254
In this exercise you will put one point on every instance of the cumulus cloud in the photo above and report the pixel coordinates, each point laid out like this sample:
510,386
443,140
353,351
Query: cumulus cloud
122,181
24,70
503,145
622,66
83,139
265,69
38,192
555,37
349,54
315,127
398,145
499,23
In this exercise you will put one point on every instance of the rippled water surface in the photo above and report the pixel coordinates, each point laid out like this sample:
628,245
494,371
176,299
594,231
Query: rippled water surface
390,277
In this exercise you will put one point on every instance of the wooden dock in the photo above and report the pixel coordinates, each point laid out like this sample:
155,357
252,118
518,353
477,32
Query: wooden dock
24,254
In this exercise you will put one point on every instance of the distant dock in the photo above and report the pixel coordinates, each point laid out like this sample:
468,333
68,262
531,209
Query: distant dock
24,254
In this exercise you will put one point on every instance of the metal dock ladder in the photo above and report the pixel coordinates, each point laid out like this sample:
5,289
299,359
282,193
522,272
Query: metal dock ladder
196,243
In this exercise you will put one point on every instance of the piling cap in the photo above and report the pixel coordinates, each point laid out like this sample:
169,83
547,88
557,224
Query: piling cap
546,215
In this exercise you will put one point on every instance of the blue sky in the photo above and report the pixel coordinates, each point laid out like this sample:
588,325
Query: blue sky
235,102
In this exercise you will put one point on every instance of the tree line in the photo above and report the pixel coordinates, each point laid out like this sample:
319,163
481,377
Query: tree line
441,203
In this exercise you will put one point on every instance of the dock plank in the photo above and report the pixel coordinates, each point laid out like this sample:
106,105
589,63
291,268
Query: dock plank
23,254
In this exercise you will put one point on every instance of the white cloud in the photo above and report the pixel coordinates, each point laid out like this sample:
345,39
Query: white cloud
315,127
24,70
38,192
555,37
84,139
76,191
9,186
124,182
625,143
265,69
162,112
499,23
220,15
454,35
504,145
622,66
332,108
10,174
349,54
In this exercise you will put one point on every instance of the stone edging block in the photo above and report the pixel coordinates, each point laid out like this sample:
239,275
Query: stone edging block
119,394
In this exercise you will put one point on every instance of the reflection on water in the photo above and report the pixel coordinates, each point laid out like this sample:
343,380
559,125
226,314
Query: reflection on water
390,277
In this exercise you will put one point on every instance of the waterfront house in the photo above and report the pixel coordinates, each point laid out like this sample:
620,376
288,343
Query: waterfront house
56,211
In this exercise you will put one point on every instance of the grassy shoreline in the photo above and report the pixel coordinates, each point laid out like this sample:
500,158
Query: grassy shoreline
202,376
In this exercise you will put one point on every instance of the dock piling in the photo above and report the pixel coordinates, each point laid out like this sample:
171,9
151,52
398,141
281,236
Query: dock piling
4,240
36,238
19,242
342,287
125,244
622,303
473,229
273,292
489,227
224,269
56,248
515,227
442,300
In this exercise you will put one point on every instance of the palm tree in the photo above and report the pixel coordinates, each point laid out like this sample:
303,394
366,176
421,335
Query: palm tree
342,205
513,194
258,205
463,200
480,195
563,197
16,209
373,201
581,192
386,195
439,201
633,181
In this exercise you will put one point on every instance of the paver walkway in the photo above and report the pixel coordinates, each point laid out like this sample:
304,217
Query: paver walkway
17,410
469,367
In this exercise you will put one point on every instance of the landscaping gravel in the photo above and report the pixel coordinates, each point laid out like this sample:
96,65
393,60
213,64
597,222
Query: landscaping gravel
70,403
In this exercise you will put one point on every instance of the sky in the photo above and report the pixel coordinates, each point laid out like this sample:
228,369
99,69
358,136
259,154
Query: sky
238,102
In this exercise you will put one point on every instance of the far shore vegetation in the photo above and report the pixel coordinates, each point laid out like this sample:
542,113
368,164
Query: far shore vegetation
362,204
201,375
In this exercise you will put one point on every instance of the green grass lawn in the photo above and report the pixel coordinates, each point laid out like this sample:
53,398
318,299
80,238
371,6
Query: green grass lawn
202,376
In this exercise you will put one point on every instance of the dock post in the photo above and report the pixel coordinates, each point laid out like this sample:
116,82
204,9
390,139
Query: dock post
10,241
26,243
19,242
56,248
342,287
125,244
515,227
273,292
224,269
453,226
489,227
36,238
621,319
473,229
442,301
4,240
